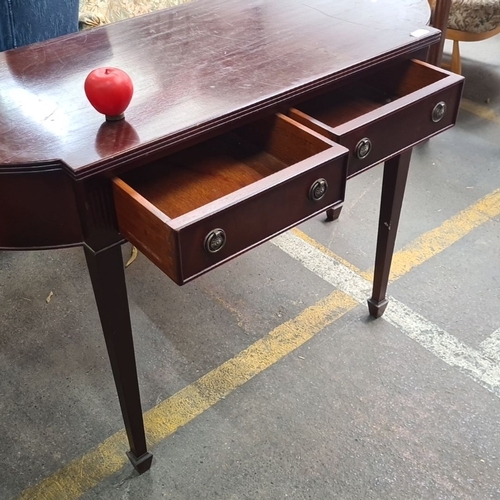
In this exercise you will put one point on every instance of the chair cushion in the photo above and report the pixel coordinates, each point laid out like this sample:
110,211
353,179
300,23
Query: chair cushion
474,16
92,11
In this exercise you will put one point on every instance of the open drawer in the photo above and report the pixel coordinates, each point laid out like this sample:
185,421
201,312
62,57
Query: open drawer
195,209
385,113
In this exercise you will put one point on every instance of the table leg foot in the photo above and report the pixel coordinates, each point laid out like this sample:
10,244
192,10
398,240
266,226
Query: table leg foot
141,464
376,309
333,213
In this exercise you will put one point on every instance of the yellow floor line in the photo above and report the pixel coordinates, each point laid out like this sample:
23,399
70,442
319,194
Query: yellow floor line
480,110
435,241
325,250
81,475
428,244
86,472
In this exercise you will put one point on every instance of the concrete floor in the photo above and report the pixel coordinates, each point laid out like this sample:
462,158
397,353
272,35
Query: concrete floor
405,407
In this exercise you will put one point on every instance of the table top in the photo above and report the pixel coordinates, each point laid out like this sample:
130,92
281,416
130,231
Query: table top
196,68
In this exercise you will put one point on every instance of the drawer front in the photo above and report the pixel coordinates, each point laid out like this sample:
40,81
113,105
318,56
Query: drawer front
399,129
419,105
261,217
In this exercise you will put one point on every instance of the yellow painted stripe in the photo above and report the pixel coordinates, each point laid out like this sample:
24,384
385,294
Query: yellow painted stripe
428,244
367,275
79,476
480,110
435,241
73,480
303,236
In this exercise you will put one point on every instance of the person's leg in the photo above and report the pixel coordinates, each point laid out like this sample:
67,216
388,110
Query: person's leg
28,21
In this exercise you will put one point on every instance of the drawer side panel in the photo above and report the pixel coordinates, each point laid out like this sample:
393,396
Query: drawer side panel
146,228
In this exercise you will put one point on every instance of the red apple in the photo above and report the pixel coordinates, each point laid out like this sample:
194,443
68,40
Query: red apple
110,91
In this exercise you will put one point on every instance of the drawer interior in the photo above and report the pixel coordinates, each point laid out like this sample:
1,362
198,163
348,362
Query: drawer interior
189,179
373,92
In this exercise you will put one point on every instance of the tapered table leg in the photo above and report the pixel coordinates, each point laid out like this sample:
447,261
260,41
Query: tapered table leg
393,188
108,280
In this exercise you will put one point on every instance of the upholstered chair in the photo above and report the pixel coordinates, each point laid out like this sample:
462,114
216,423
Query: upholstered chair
28,21
471,21
464,21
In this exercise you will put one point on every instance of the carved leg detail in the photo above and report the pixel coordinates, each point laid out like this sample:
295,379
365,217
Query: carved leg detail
333,213
393,188
108,280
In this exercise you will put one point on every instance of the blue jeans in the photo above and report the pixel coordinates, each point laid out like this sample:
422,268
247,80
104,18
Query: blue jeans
29,21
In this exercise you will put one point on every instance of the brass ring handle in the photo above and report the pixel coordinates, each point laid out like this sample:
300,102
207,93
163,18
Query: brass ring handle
439,111
215,240
318,189
363,148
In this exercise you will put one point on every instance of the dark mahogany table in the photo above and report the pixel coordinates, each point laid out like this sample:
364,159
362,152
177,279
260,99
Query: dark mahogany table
247,119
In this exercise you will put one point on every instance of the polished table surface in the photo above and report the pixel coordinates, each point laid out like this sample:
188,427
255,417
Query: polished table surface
202,70
193,67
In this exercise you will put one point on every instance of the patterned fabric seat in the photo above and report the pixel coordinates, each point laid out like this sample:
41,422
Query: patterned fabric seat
464,21
96,12
474,16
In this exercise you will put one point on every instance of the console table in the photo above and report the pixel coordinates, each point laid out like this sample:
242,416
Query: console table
247,119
